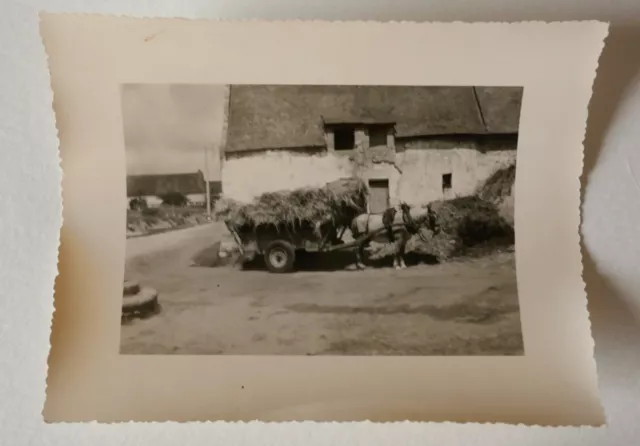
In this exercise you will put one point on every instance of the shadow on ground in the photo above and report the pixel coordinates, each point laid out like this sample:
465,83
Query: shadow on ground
340,261
305,261
487,307
502,344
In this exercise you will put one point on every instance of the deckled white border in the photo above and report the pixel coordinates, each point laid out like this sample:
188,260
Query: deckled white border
386,23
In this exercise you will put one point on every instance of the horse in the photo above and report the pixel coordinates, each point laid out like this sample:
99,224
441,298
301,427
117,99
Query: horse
400,223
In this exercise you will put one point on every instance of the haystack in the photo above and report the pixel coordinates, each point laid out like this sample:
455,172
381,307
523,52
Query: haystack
466,222
341,197
498,189
499,185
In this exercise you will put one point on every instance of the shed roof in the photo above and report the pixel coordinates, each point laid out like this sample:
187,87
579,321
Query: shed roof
215,187
288,116
145,185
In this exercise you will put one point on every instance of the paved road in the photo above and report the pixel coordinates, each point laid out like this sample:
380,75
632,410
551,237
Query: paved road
467,307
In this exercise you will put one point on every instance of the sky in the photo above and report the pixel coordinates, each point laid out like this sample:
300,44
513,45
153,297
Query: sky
167,128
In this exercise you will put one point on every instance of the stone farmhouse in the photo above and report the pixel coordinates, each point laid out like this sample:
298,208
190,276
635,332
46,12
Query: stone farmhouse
412,144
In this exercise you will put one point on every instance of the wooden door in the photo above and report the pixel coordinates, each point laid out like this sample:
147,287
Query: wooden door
378,196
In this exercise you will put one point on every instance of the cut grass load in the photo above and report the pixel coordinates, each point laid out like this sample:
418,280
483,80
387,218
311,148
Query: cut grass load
342,197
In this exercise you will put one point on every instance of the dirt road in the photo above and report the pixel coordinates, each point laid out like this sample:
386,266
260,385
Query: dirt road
462,308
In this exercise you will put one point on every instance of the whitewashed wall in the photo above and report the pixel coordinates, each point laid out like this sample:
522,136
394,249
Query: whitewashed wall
416,176
247,177
422,171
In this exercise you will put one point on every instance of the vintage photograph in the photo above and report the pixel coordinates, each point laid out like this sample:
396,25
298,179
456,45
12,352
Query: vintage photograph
277,220
320,220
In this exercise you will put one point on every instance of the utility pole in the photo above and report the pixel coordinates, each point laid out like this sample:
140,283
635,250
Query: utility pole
206,181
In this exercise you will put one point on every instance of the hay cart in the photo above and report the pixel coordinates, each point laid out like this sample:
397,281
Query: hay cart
281,245
281,225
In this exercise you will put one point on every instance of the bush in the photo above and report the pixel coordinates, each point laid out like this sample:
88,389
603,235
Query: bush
482,222
151,212
214,200
138,204
499,190
465,222
174,199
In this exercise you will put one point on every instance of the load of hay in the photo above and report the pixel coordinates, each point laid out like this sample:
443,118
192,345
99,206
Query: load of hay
344,196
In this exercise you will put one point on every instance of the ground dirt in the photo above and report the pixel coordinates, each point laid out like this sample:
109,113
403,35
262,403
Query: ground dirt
463,307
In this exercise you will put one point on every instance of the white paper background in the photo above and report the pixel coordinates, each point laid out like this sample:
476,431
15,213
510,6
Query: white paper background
30,215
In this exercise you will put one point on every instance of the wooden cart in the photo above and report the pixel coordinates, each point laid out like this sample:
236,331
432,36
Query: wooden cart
279,244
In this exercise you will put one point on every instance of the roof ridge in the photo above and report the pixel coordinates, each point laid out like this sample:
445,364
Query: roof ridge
479,107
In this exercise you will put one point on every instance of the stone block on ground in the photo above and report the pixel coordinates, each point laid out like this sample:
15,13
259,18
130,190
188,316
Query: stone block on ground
142,304
131,287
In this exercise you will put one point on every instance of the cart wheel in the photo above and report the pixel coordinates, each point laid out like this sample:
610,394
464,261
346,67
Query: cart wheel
280,256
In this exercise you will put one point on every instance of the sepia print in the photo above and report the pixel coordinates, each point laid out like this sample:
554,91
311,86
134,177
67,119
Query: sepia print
320,220
286,226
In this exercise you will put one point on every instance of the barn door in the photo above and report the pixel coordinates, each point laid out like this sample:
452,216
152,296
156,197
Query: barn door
378,196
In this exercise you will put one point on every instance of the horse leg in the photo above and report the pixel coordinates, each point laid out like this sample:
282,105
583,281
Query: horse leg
358,260
401,247
359,249
403,265
393,239
359,255
404,249
397,260
359,264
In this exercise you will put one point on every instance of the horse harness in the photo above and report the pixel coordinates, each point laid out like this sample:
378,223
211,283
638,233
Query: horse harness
413,227
409,222
388,217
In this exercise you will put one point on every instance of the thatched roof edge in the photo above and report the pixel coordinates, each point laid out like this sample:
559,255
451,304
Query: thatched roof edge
287,116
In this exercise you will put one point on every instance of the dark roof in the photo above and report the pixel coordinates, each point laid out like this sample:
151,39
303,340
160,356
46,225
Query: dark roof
186,183
355,120
287,116
500,108
215,187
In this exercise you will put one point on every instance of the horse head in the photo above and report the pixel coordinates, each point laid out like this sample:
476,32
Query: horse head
432,219
420,216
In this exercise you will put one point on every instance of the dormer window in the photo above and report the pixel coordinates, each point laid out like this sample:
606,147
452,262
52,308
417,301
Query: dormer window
378,135
344,138
343,135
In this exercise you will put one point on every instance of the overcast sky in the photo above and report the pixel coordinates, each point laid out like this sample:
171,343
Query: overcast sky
168,127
